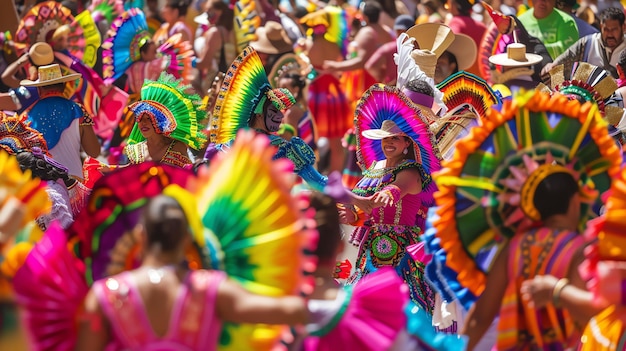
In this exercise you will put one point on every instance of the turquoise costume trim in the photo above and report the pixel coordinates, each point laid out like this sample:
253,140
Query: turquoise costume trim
303,158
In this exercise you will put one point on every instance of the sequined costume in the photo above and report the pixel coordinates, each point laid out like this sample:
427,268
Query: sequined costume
391,229
58,119
303,158
138,153
193,321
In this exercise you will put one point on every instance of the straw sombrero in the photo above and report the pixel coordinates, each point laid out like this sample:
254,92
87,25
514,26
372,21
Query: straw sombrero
435,37
515,56
49,75
272,39
41,54
464,50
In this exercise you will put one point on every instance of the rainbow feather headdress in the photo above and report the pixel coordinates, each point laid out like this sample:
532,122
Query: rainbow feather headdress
242,94
173,112
485,193
380,103
589,83
332,21
128,33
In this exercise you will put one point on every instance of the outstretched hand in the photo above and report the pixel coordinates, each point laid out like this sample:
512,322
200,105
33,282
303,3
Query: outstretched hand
382,198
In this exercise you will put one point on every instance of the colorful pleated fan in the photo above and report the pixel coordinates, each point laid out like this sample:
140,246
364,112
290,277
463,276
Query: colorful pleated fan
260,234
173,111
246,22
103,230
244,85
335,20
380,103
181,57
467,98
40,22
16,183
464,88
479,189
588,83
106,9
50,288
17,135
371,316
128,33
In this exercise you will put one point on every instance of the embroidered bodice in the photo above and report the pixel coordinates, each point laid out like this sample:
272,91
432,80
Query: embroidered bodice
405,211
138,153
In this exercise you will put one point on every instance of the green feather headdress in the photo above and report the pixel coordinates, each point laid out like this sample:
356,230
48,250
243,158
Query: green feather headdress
173,112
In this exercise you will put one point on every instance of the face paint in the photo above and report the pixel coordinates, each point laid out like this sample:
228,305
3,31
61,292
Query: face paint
273,119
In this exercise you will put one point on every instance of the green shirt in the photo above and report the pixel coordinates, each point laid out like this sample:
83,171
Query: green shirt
558,31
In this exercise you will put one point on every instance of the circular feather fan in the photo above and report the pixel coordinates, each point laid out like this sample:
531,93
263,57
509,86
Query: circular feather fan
103,230
127,34
259,232
479,189
244,85
40,22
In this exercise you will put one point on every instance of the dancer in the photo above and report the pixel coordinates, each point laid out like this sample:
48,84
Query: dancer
327,40
246,99
166,123
519,229
145,306
397,153
65,125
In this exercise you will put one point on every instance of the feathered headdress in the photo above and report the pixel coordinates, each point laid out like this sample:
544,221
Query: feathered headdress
586,82
172,111
128,33
247,21
242,94
332,21
382,103
490,181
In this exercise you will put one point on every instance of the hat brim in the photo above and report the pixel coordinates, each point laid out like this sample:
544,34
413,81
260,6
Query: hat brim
264,45
37,83
378,134
504,60
464,50
434,37
202,19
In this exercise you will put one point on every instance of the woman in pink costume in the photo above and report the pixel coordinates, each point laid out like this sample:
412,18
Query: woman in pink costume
164,306
397,153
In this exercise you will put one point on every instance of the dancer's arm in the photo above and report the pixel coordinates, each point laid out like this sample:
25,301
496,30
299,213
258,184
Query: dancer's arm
235,304
93,330
487,306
